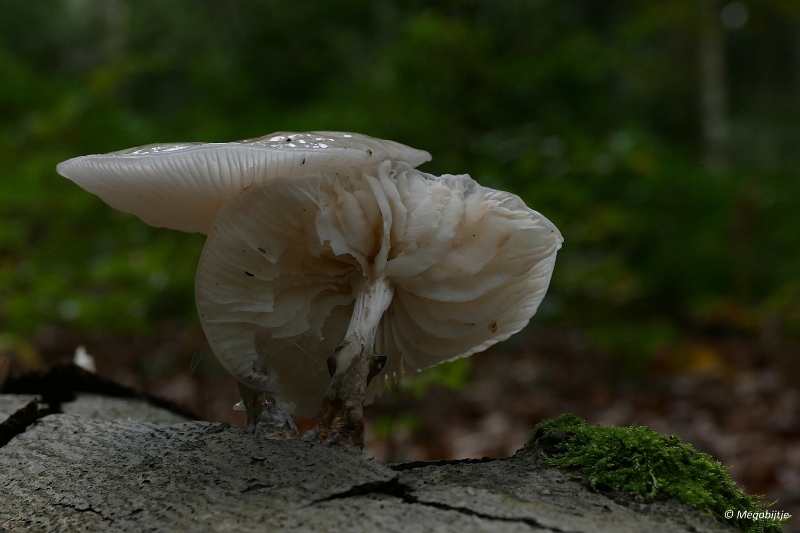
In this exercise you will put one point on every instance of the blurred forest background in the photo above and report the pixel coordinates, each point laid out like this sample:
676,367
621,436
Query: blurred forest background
662,138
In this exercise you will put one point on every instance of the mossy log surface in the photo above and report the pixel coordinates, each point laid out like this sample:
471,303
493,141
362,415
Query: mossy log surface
122,464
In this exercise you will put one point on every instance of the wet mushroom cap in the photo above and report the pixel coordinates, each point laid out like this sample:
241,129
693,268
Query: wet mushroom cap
183,185
283,262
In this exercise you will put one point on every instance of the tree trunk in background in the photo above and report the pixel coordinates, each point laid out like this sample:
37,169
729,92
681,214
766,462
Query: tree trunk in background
797,65
115,17
713,86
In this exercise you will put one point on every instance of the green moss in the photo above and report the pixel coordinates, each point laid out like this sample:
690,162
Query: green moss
639,461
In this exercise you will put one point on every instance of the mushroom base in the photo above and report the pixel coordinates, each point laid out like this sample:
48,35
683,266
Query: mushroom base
341,416
340,419
265,416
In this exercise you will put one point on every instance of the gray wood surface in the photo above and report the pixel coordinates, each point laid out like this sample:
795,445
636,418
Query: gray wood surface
101,466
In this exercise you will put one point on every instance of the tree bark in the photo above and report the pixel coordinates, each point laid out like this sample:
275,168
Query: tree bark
713,86
122,464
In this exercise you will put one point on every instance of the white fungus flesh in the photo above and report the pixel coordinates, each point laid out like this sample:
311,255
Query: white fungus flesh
183,185
284,262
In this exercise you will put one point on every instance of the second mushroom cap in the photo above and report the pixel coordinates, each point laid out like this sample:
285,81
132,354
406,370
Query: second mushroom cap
284,262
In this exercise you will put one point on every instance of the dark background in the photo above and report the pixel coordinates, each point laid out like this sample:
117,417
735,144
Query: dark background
662,138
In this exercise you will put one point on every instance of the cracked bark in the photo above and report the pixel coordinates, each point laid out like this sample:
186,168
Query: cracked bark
395,488
130,467
411,465
61,383
19,421
83,510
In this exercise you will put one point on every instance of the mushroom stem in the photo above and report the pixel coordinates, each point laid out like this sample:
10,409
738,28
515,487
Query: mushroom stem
265,416
352,365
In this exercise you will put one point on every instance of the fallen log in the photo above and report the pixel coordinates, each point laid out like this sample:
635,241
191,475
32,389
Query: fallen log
101,463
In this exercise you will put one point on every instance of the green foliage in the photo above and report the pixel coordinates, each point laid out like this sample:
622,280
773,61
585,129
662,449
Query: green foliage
632,342
587,110
385,426
643,463
452,375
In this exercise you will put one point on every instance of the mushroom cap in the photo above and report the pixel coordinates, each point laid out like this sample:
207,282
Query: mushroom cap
278,275
183,185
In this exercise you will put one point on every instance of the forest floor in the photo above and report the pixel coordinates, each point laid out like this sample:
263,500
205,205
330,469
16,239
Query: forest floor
735,397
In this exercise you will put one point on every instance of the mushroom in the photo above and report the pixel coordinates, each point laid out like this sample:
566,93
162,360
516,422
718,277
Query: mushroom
332,268
183,186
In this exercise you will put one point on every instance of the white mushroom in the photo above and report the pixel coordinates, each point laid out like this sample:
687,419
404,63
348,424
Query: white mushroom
84,360
309,272
309,277
183,185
